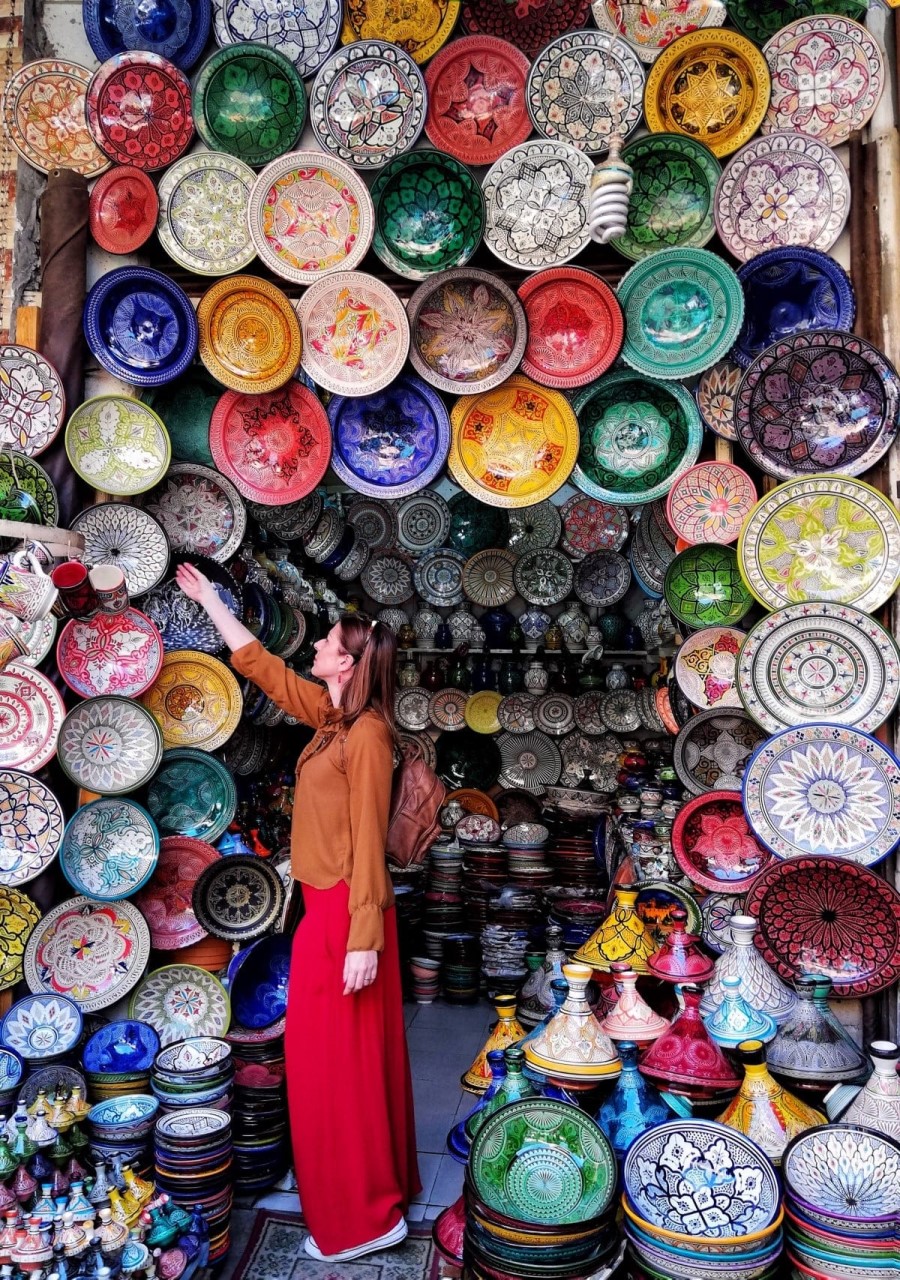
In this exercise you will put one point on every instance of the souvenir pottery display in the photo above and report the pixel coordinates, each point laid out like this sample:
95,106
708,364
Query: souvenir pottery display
763,1110
877,1105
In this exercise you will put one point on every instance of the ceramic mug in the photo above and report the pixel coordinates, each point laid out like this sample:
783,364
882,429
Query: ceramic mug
12,646
25,592
108,582
76,595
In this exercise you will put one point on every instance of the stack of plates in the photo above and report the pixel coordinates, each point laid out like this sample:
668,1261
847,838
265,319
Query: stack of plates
261,1132
578,915
122,1127
526,843
194,1073
194,1167
117,1059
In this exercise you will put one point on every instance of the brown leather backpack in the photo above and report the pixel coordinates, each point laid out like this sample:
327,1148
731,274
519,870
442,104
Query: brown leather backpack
417,798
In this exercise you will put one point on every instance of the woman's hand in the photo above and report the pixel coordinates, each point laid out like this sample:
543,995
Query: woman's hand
360,968
195,585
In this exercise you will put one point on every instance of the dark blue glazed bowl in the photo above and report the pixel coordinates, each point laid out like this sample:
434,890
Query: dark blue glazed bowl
788,291
125,1046
140,326
259,986
175,29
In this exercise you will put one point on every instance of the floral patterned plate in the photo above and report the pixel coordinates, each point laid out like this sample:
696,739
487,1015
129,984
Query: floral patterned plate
714,846
123,209
788,291
650,26
238,898
109,745
447,709
423,521
584,88
118,445
117,533
304,35
179,32
18,918
602,578
42,1026
249,338
32,400
109,849
575,326
165,902
419,27
705,667
274,447
476,99
712,750
110,653
367,104
826,1167
181,1001
355,333
529,30
703,586
387,578
537,198
438,577
249,101
139,110
534,528
589,525
31,827
140,326
710,502
530,761
429,214
203,201
44,117
200,511
31,714
89,952
196,701
672,202
543,576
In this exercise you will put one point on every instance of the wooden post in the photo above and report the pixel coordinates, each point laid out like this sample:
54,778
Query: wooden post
28,326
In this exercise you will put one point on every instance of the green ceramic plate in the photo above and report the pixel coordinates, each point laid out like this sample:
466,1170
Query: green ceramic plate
429,214
249,101
704,587
186,406
26,491
192,794
671,205
759,20
474,525
683,311
637,436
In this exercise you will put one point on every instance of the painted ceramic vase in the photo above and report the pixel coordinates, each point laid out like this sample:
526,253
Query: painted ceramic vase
572,1046
621,936
514,1086
631,1018
536,677
633,1106
761,985
506,1031
686,1060
536,998
811,1045
877,1105
680,957
764,1111
736,1020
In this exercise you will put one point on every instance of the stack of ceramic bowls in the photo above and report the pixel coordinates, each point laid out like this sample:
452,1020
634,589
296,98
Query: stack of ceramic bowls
701,1200
12,1070
526,843
503,958
194,1073
118,1057
572,855
577,914
425,975
194,1167
443,912
842,1202
459,971
261,1133
123,1127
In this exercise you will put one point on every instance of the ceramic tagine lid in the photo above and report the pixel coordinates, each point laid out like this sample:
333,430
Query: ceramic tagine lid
572,1045
631,1018
634,1104
761,985
763,1111
680,958
506,1031
811,1044
685,1059
736,1020
621,936
877,1106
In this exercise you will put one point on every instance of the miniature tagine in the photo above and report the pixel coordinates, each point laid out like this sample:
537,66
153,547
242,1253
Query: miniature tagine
505,1032
877,1105
572,1046
680,958
621,936
761,986
763,1110
811,1045
686,1060
631,1018
736,1019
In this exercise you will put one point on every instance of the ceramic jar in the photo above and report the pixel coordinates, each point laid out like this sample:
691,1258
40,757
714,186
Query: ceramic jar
617,678
536,997
536,677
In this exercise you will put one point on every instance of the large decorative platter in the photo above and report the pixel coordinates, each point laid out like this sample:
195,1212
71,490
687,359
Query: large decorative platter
178,33
200,511
584,88
819,661
819,400
650,26
305,35
109,745
182,622
713,748
31,827
420,28
429,214
355,333
238,898
705,667
671,204
784,189
703,587
192,794
710,502
118,445
165,902
823,538
89,952
531,761
140,326
468,331
31,714
110,653
714,846
476,99
575,326
391,443
828,75
787,292
589,525
181,1001
249,101
528,31
26,491
367,104
310,215
44,117
123,209
536,197
274,447
196,701
683,310
203,200
120,534
713,86
32,400
515,445
42,1026
249,338
829,916
438,577
139,110
637,436
109,849
423,521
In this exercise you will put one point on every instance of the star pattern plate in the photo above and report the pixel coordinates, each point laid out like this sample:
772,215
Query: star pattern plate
275,447
713,748
117,533
238,898
109,745
536,199
32,400
584,88
367,104
203,202
110,653
181,1001
89,952
200,511
31,827
31,714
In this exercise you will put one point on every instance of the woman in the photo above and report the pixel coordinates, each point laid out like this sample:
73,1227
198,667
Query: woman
349,1090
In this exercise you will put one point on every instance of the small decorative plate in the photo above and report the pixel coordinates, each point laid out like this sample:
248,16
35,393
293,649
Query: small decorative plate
387,578
32,400
249,101
109,849
310,215
715,394
516,712
31,714
192,794
203,201
474,525
706,667
110,653
534,528
828,75
139,110
476,99
536,198
650,26
584,88
420,29
822,538
109,745
704,588
784,189
829,916
423,521
390,443
165,902
42,1026
305,35
196,701
530,30
543,577
481,711
437,577
117,533
249,335
619,709
118,445
26,491
554,713
44,117
819,401
275,447
140,326
123,209
602,578
529,760
412,709
200,511
712,750
178,31
355,333
672,201
683,310
447,709
238,898
468,331
515,445
367,104
90,952
819,661
121,1046
637,437
182,622
710,502
181,1001
714,846
488,577
588,712
31,827
589,525
713,86
429,214
575,326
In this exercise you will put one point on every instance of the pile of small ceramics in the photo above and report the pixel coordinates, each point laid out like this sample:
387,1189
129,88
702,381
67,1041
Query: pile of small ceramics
193,1073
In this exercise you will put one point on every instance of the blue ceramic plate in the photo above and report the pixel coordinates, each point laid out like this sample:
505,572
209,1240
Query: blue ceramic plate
12,1068
140,326
42,1026
787,291
260,984
110,849
304,33
182,623
175,29
121,1046
392,443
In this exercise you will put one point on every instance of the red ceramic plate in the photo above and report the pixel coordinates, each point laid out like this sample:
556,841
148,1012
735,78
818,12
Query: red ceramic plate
476,99
123,209
827,915
166,901
529,25
575,326
275,447
714,846
110,653
139,110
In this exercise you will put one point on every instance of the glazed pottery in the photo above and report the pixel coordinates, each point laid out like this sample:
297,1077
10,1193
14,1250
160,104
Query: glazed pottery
110,653
421,31
180,1001
250,338
536,200
165,902
585,88
812,1046
704,588
621,937
305,37
33,712
42,1027
761,986
764,1111
238,898
274,447
110,940
679,958
249,101
877,1105
633,1106
117,443
367,104
709,502
109,745
32,400
649,28
505,1032
572,1045
536,998
476,99
575,326
685,1059
735,1020
512,1085
44,117
355,333
671,202
429,214
631,1018
715,393
31,827
117,533
845,1170
713,844
196,701
705,667
712,750
157,134
109,849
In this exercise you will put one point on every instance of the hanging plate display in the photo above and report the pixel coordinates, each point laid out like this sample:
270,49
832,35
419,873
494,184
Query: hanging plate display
109,849
195,700
200,511
637,436
90,952
110,653
602,578
26,490
713,86
18,917
671,203
429,214
157,133
529,760
713,748
42,1026
367,104
165,902
423,521
118,444
481,711
488,577
192,794
31,714
420,28
387,578
788,291
590,526
619,709
828,916
650,26
141,327
438,577
44,117
178,33
305,35
467,759
536,199
528,31
715,395
714,846
828,75
109,745
181,1001
249,101
32,400
554,714
182,622
310,215
534,528
203,200
513,446
412,709
117,533
476,99
718,908
584,88
447,709
823,538
238,898
575,326
588,712
515,712
274,447
249,336
31,827
543,577
123,209
705,667
710,502
355,333
704,588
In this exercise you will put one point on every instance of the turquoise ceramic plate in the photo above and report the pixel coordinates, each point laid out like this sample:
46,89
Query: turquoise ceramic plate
671,206
192,794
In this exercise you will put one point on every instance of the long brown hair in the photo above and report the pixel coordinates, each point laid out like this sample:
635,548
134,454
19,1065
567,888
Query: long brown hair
373,682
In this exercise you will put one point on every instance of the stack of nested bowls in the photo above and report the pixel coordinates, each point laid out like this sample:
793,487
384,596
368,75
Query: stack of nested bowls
842,1202
197,1072
702,1202
578,913
460,968
118,1057
194,1166
425,975
526,843
573,858
123,1127
443,904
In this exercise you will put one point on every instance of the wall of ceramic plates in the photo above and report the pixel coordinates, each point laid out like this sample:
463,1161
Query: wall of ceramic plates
525,327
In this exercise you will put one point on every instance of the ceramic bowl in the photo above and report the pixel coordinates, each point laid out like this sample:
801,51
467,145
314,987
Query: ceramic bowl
429,214
195,1058
119,1051
845,1171
260,986
140,326
526,835
123,1119
714,1245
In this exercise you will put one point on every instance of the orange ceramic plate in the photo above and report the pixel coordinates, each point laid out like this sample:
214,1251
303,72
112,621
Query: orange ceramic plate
249,336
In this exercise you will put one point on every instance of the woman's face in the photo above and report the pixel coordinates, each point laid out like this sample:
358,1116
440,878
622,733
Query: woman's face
331,658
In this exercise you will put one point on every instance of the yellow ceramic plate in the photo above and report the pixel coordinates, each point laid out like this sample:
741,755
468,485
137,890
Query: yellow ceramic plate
249,335
18,916
515,445
196,701
481,711
711,85
420,27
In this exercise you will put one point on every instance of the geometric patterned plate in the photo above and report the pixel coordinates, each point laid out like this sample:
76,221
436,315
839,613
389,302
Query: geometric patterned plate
192,794
201,512
165,901
110,653
109,745
420,29
249,336
355,332
44,117
238,898
705,667
26,491
537,197
712,750
91,952
585,88
674,188
305,34
367,104
196,701
31,713
42,1026
181,1001
31,827
18,917
117,533
139,110
249,101
32,400
109,849
703,587
715,393
476,99
203,201
118,444
713,844
710,502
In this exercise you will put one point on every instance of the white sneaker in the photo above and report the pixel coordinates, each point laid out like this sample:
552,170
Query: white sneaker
393,1237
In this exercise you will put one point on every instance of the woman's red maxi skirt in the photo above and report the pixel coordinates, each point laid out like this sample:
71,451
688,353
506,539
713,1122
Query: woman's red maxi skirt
349,1086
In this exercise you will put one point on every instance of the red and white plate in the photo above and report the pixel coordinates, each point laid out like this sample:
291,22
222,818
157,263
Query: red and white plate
110,653
31,715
